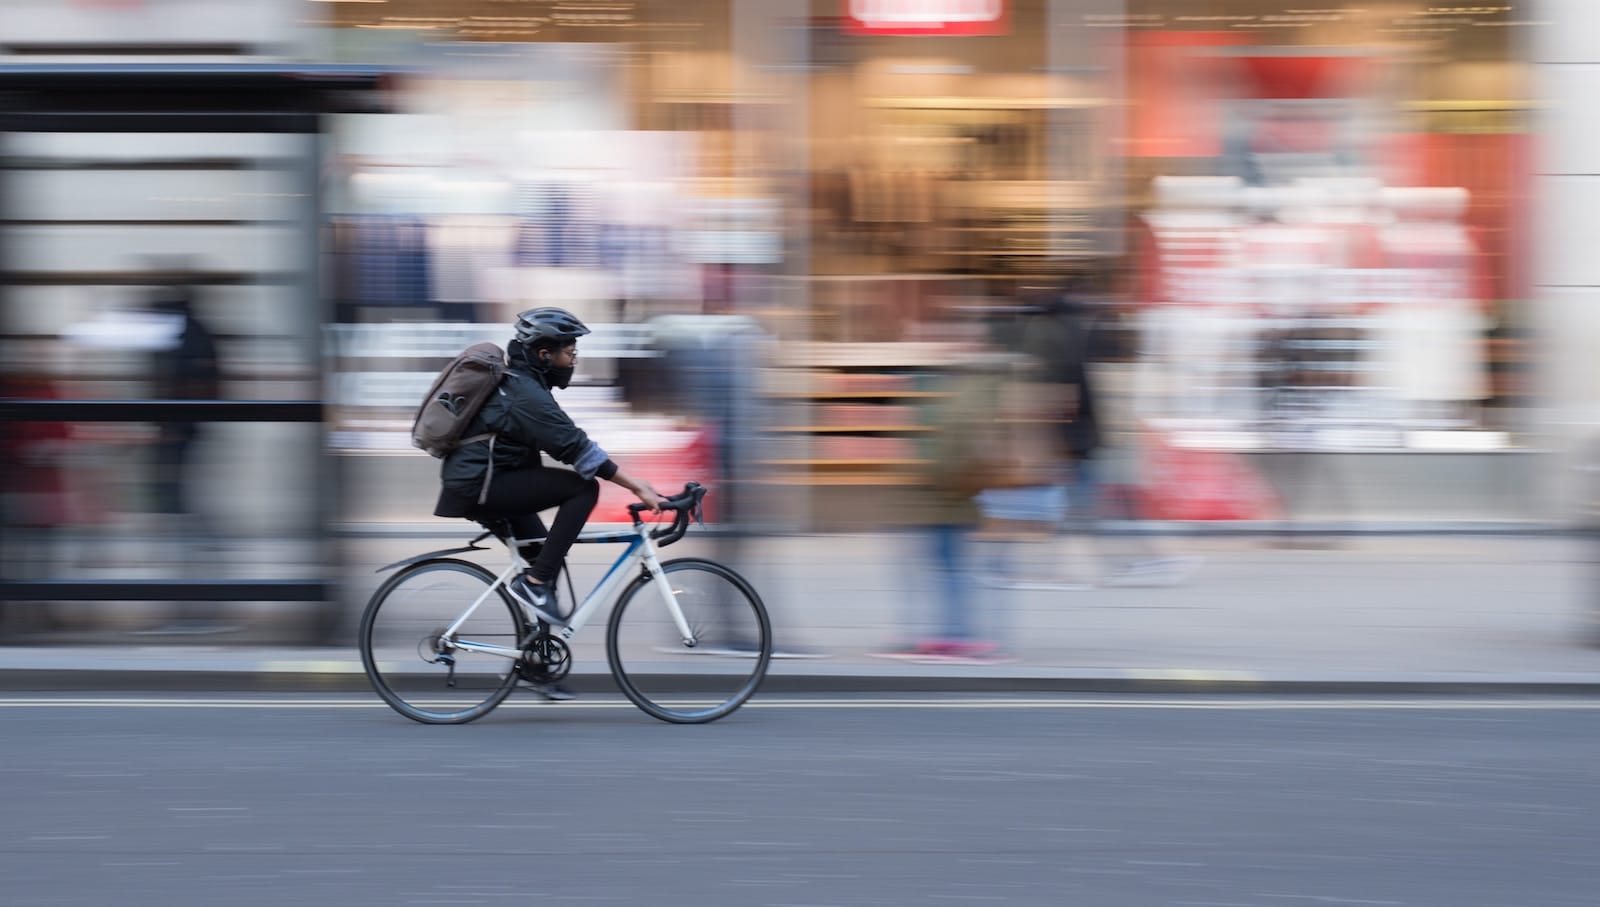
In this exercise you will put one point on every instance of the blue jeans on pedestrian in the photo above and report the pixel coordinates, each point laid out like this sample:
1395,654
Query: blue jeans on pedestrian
950,554
1084,493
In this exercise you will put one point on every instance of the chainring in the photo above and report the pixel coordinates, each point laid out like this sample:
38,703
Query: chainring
545,660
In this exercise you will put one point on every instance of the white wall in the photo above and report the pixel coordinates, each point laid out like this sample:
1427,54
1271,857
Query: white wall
1565,48
267,26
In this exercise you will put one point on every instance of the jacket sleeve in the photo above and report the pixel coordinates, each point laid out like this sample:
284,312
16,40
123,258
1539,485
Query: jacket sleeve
534,419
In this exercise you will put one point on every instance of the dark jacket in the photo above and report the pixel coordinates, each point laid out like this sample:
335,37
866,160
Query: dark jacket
187,371
525,419
1062,339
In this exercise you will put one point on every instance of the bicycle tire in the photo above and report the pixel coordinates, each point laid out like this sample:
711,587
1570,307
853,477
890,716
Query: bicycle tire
395,645
706,592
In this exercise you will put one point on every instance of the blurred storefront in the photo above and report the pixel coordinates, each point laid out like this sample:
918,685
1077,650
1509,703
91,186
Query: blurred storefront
1306,226
164,468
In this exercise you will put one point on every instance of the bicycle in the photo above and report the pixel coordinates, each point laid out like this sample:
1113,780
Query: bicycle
443,642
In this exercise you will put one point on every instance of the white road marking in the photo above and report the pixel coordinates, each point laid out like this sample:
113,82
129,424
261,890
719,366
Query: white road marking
961,703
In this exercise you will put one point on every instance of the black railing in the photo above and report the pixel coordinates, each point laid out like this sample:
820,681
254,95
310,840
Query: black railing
160,411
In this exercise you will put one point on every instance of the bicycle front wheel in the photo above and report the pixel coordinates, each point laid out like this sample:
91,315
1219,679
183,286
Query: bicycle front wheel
676,681
423,675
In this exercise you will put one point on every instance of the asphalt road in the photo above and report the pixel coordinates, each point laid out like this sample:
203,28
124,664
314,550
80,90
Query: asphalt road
1097,803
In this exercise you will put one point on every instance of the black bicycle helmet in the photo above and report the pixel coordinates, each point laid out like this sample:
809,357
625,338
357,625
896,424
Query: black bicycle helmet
548,325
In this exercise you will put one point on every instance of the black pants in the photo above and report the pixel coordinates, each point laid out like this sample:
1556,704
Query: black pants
517,496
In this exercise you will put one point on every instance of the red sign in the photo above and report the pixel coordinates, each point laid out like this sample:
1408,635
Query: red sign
1285,76
925,17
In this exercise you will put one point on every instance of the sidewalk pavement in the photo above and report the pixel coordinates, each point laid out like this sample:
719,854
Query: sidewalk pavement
1378,614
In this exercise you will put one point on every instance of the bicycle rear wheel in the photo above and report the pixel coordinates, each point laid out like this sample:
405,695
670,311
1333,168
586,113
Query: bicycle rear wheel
422,676
690,684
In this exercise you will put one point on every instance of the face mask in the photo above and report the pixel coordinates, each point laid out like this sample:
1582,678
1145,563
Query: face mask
559,377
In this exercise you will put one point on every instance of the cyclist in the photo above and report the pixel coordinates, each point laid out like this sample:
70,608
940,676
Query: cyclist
525,419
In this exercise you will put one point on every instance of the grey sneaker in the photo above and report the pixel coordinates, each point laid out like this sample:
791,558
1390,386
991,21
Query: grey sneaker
554,692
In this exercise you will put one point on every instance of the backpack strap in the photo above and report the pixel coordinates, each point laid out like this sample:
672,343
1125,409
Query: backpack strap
488,474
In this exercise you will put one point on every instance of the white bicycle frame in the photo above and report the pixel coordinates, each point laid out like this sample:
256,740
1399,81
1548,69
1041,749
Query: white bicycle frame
641,552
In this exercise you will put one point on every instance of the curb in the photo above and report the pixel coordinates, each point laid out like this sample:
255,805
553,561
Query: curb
57,680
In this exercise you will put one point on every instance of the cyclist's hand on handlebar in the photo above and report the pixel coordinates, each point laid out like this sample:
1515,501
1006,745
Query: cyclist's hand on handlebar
648,496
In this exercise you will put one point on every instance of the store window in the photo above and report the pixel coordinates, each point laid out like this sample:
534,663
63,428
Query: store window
961,158
1330,203
940,147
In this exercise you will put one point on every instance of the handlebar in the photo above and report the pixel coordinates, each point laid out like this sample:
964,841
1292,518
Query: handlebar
685,506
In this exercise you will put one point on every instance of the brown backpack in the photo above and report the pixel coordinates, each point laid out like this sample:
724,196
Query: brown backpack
453,401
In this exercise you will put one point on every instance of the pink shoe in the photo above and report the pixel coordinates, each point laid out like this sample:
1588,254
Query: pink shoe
968,652
927,651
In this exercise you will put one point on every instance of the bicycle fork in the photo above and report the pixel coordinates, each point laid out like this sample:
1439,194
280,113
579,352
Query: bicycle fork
658,577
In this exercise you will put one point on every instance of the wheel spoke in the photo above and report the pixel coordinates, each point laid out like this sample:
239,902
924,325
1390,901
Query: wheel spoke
401,651
678,683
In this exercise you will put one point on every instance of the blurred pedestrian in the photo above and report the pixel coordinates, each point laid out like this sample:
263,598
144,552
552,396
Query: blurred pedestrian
1066,332
721,370
185,370
184,367
713,363
966,455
